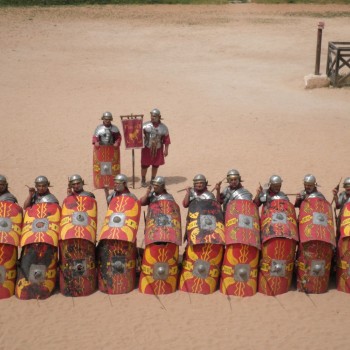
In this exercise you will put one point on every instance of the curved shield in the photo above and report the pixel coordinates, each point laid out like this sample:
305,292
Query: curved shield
239,272
10,223
106,165
201,268
276,266
159,270
279,220
122,219
242,223
77,267
8,265
116,266
37,271
314,266
163,223
78,218
41,224
205,222
316,221
343,251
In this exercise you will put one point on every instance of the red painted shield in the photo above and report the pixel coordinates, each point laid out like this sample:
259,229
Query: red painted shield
316,221
239,272
37,271
163,223
242,223
8,270
276,266
313,266
279,220
343,252
122,219
159,270
205,222
10,223
106,165
77,267
201,268
41,224
116,266
78,218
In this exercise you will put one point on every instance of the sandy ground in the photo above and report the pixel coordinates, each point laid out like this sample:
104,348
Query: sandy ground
229,83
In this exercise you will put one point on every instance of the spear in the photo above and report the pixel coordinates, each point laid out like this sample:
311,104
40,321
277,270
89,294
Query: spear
337,187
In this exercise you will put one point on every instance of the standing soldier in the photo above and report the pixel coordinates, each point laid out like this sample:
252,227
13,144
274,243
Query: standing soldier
38,263
120,188
344,196
77,240
5,194
156,145
233,191
159,270
273,192
106,152
310,190
199,191
10,230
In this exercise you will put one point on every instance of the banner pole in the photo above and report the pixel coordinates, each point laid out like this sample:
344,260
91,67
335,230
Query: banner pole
133,168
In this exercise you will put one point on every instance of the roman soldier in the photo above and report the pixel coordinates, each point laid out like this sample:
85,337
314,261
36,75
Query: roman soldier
77,240
38,263
10,229
156,145
159,270
344,196
120,188
310,190
198,191
106,153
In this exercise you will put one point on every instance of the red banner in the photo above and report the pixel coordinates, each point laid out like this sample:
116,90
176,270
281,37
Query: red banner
132,129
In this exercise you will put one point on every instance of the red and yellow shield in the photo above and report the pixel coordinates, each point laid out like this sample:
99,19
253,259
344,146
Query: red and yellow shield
163,223
343,252
239,272
277,266
205,222
8,270
79,218
279,220
316,221
77,267
314,266
116,266
122,219
201,268
41,224
242,223
10,223
106,165
159,270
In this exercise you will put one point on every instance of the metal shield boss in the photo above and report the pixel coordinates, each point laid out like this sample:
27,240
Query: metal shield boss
317,241
106,165
343,251
122,219
79,218
279,235
239,271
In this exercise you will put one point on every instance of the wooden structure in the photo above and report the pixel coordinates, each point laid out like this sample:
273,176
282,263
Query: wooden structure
338,63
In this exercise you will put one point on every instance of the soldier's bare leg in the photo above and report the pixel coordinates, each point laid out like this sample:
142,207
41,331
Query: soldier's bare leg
154,172
143,176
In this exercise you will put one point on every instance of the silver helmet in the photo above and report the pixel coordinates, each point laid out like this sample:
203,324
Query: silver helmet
275,179
107,116
159,180
233,173
75,179
346,182
155,112
42,180
3,180
120,178
310,179
199,178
